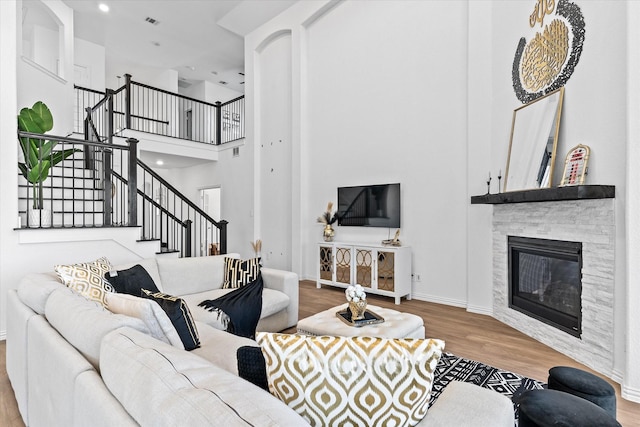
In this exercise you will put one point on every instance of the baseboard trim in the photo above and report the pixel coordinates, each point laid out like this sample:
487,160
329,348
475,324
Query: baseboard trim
439,300
480,310
629,393
617,376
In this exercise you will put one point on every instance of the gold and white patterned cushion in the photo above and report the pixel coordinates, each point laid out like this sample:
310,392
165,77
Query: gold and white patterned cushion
238,272
87,278
352,381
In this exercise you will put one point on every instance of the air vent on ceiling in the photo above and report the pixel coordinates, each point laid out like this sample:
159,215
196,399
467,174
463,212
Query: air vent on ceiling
236,151
151,20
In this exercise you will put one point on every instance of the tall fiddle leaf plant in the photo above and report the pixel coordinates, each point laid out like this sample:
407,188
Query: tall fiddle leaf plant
39,155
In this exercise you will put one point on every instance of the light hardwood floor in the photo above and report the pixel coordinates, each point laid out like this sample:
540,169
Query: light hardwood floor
468,335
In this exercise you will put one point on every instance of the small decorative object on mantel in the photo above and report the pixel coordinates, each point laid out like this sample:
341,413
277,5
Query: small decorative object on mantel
575,166
489,184
499,179
393,242
357,299
328,218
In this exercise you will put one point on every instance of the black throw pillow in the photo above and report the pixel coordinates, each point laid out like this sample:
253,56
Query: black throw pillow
251,366
131,281
180,316
243,306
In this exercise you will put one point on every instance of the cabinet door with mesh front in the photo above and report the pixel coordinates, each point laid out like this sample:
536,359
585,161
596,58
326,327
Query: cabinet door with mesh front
386,271
364,267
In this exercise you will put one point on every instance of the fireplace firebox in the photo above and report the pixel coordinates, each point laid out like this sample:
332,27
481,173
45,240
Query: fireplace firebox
545,281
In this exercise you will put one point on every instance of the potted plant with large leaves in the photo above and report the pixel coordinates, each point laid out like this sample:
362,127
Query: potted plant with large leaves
39,157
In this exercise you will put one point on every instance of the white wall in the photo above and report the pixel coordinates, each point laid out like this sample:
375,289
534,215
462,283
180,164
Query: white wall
421,93
35,84
631,381
593,113
91,57
8,167
209,92
380,104
274,149
234,176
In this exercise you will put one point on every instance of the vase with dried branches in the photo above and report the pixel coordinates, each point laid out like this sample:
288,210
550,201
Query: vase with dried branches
328,218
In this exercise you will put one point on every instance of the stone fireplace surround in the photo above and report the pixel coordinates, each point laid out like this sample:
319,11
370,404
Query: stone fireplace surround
590,220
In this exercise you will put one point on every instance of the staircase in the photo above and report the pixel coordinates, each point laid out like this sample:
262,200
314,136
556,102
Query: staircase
75,196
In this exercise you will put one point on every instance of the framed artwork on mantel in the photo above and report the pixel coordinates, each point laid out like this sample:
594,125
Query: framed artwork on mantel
575,166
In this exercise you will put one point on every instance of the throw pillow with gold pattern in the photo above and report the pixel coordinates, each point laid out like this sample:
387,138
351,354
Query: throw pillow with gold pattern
87,278
341,381
238,272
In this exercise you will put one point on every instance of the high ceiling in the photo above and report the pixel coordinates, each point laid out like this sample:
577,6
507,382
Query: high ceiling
200,39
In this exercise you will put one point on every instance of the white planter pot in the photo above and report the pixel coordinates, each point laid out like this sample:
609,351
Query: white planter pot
39,218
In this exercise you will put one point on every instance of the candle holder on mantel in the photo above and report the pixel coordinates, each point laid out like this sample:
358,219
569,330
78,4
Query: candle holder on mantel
489,184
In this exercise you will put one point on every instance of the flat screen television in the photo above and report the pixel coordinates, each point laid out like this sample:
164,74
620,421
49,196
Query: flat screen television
369,206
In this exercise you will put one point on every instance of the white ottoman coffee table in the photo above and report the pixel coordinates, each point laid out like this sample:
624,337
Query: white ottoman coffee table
396,324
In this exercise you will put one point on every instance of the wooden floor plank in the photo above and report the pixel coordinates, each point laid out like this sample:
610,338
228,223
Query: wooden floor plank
469,335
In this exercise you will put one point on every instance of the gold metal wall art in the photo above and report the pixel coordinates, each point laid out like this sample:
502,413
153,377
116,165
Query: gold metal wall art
544,56
546,59
541,9
575,166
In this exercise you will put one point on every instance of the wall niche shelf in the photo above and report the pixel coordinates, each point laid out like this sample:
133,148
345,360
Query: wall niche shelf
555,194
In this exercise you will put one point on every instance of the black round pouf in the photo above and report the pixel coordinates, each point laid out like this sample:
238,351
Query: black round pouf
542,408
585,385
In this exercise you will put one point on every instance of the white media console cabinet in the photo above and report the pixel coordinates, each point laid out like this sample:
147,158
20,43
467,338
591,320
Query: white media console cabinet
382,270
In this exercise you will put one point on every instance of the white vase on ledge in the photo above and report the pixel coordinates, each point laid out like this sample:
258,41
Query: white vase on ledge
39,218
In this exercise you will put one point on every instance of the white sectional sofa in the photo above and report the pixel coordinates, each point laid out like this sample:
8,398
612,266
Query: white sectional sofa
71,362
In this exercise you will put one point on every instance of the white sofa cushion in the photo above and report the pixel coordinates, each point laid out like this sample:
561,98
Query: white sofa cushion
150,312
35,288
183,276
466,404
173,387
272,302
83,323
220,347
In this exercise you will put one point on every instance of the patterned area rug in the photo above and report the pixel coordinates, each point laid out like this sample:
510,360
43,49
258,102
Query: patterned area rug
454,368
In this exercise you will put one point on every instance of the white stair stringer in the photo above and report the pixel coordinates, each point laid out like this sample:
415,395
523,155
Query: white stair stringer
125,239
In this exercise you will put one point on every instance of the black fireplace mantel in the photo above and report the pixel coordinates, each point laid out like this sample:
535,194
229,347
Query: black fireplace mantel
573,192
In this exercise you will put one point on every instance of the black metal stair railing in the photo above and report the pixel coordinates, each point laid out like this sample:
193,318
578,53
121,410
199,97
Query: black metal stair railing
163,212
73,196
167,215
144,108
118,191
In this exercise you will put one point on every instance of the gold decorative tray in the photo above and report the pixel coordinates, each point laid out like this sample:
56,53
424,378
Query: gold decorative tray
370,318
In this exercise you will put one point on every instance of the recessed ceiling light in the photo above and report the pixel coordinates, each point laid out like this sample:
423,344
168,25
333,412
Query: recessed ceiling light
222,82
159,162
103,7
155,43
214,73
